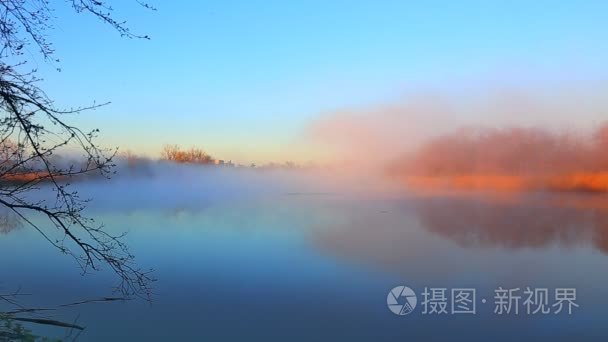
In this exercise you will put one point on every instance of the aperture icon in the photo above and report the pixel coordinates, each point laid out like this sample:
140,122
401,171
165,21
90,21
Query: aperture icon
401,300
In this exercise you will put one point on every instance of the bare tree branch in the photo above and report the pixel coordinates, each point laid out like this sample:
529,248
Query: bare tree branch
34,132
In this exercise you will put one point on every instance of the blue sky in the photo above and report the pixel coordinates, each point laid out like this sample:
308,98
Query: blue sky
243,78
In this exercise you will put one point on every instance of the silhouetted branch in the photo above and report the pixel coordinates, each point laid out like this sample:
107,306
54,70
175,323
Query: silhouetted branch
34,131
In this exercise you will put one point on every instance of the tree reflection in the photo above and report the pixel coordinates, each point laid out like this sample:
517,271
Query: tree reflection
394,235
8,222
518,223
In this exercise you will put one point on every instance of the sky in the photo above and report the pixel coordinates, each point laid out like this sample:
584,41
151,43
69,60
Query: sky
244,79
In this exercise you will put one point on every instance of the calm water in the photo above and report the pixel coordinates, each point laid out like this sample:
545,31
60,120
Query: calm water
276,262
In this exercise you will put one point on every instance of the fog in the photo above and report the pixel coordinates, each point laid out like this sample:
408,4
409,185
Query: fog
490,138
513,158
150,184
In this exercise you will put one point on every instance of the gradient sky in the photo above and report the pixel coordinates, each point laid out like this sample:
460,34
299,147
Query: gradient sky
243,78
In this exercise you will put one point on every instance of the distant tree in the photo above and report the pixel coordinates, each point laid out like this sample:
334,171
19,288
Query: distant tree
601,146
33,129
194,155
601,135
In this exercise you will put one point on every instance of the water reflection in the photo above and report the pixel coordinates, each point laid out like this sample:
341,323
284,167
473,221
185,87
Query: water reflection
521,222
318,267
9,222
391,234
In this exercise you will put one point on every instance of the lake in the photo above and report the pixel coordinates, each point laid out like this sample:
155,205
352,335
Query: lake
268,258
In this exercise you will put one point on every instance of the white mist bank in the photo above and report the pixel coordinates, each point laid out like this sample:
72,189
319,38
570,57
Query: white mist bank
167,186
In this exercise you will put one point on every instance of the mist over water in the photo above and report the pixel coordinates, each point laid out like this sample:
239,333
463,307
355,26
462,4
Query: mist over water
418,171
558,129
552,140
246,253
412,196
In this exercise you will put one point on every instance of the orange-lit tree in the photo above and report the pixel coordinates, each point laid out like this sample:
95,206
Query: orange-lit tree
194,155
